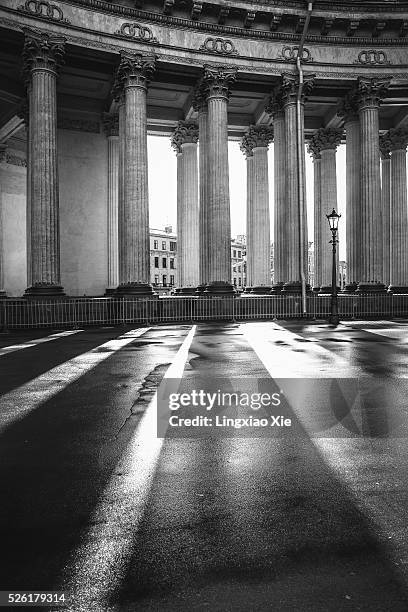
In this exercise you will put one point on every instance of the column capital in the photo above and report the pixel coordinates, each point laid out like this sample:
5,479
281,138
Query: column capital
325,139
256,136
290,87
199,96
111,124
371,91
398,139
185,132
135,70
314,149
218,80
42,51
275,105
385,146
348,108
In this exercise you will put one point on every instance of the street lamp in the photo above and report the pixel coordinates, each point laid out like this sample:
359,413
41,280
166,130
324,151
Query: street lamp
333,220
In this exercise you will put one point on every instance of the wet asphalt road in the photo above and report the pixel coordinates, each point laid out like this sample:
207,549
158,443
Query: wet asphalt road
93,503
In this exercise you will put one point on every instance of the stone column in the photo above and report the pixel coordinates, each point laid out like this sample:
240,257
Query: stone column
314,151
42,56
370,92
184,142
349,111
386,206
326,141
247,151
398,139
132,79
111,125
200,106
217,81
295,191
280,225
3,149
256,142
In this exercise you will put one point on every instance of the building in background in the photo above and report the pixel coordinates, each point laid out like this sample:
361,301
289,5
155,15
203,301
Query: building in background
163,259
238,262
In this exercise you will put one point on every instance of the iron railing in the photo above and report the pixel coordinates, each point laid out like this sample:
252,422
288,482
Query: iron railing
75,312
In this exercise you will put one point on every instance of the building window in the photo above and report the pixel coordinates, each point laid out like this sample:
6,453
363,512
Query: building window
235,282
155,244
164,280
163,245
172,246
171,264
239,281
156,262
234,268
239,268
171,280
234,253
164,262
239,254
156,279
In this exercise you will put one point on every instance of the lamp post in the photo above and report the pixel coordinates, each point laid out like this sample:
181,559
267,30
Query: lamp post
333,220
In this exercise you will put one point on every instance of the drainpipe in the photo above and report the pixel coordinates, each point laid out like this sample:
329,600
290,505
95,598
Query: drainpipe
300,154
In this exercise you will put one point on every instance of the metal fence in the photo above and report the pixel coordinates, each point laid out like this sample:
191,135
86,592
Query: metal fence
75,312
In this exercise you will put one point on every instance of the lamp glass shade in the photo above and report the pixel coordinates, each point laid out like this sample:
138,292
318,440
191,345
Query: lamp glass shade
333,220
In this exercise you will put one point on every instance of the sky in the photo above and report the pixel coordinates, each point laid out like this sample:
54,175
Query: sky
163,187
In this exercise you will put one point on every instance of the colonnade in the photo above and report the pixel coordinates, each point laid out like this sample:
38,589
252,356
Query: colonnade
377,217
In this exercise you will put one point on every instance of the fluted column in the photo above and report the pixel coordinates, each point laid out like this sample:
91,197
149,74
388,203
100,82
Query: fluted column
326,141
42,56
249,215
217,81
386,206
200,106
280,224
184,142
314,151
349,111
132,78
295,191
111,125
370,92
256,142
398,141
2,291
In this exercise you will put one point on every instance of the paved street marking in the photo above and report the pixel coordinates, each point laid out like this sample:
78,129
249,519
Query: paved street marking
107,546
289,355
18,347
19,402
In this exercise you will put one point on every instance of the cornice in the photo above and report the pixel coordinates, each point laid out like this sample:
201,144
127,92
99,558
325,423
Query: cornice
201,26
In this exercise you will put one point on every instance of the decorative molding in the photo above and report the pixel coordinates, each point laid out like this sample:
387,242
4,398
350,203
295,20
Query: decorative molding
78,125
218,80
220,46
11,158
372,57
289,54
290,87
43,9
185,132
111,124
325,139
371,91
135,30
134,69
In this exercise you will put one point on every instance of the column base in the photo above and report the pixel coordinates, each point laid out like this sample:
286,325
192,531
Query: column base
350,288
371,288
261,290
219,288
200,289
294,287
277,288
186,290
44,291
397,289
327,289
135,290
